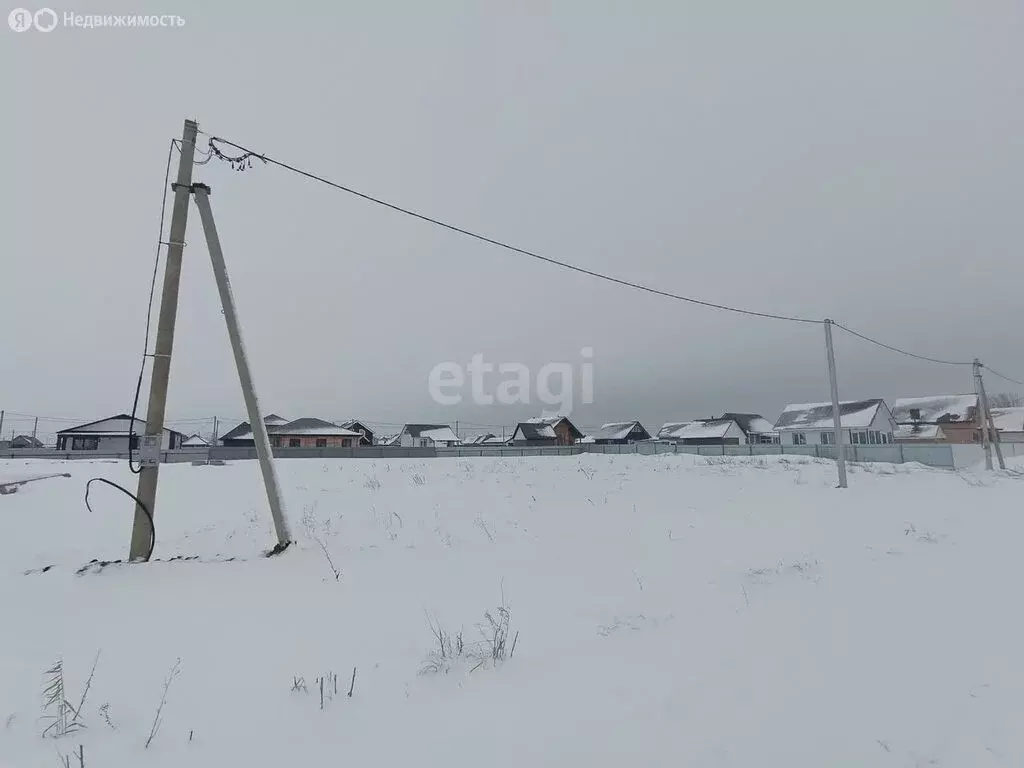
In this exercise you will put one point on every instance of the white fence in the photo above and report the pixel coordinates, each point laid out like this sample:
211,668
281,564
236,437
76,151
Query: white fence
931,454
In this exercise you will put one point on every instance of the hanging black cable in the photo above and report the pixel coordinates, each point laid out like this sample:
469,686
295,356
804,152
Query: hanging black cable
149,516
149,313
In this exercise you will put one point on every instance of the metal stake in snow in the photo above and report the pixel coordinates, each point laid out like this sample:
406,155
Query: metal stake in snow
252,406
989,432
836,411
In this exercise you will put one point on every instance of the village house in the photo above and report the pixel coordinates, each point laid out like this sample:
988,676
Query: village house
937,419
112,436
488,439
863,422
757,430
241,436
195,441
546,430
312,433
25,441
306,432
426,436
366,436
1009,424
620,433
702,432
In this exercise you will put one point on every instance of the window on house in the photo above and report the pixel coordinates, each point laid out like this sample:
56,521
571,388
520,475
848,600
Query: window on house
872,437
346,442
799,438
321,442
85,443
294,442
827,438
424,442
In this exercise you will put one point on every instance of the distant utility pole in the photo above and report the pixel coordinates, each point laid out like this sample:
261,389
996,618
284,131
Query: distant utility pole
982,417
1,423
837,417
213,438
987,415
153,438
35,428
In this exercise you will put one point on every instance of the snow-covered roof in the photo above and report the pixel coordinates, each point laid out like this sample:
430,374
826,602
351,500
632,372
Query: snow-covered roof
751,423
440,435
549,420
854,414
936,409
616,430
1008,419
917,432
696,430
113,426
317,432
669,428
194,442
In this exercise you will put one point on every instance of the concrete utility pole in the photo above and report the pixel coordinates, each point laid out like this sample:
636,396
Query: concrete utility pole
1,423
35,428
252,406
982,418
993,432
153,437
837,416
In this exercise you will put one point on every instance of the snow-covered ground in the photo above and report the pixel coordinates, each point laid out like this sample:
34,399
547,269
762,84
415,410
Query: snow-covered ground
670,610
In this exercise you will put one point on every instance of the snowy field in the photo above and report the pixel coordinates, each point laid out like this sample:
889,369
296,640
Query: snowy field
664,611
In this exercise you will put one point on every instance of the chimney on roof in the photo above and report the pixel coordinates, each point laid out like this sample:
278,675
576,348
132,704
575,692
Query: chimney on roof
915,414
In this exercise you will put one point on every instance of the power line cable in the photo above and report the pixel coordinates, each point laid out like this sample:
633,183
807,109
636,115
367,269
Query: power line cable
1002,376
238,161
243,161
897,349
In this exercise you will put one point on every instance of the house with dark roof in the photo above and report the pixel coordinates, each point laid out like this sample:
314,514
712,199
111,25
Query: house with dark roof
619,433
546,430
25,441
937,419
366,436
308,432
112,435
241,436
426,436
488,439
863,422
702,432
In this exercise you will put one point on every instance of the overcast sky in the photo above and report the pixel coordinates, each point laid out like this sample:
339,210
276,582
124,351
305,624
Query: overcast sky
863,162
